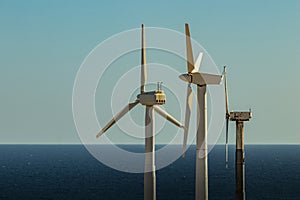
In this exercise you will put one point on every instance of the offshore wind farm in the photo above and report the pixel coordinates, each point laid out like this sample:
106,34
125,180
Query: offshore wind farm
96,105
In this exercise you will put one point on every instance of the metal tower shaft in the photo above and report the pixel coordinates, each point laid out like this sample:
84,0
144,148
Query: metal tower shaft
201,146
149,175
239,118
240,162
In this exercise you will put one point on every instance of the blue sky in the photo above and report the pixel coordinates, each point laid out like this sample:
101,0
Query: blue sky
43,44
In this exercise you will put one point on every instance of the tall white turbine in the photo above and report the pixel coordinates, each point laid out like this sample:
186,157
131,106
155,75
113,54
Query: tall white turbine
201,80
239,117
151,100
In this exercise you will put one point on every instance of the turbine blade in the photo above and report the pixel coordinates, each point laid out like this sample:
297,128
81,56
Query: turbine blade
226,92
198,62
226,146
143,62
227,115
117,117
189,50
167,116
189,100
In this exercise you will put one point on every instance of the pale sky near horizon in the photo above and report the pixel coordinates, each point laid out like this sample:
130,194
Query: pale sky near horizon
43,44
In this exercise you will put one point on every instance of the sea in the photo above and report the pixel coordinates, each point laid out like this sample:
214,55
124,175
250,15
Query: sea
70,172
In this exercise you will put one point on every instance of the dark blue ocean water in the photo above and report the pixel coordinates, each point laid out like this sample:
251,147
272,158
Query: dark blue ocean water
70,172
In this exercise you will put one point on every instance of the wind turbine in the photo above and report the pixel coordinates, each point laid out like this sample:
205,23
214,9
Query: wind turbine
151,100
239,118
201,80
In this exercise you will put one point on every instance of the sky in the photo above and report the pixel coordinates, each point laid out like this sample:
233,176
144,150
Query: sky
43,43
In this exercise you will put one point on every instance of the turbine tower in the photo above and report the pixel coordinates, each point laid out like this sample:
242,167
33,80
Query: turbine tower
239,118
201,80
151,100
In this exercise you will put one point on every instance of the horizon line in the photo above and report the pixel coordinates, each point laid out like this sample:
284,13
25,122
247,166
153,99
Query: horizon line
232,144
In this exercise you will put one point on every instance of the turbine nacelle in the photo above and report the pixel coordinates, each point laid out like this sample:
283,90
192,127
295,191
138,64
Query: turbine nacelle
201,78
240,116
152,98
186,77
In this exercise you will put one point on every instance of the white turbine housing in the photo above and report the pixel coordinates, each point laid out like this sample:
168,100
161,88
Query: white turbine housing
201,78
152,98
